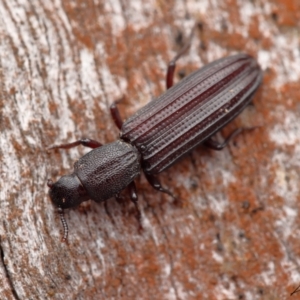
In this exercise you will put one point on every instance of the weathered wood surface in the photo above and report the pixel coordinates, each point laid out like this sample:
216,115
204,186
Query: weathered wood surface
237,233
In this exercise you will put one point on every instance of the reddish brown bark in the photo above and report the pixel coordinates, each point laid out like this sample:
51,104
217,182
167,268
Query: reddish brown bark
236,234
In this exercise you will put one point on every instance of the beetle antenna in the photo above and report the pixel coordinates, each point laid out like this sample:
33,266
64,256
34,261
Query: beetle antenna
65,225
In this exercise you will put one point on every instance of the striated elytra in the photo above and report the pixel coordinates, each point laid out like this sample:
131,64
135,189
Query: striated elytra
192,111
160,133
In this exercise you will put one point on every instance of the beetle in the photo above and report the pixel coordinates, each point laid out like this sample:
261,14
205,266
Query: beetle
159,134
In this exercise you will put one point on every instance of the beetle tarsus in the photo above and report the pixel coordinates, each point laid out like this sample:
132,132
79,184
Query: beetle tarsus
84,142
154,182
134,199
119,198
115,114
215,145
296,290
172,63
108,212
50,183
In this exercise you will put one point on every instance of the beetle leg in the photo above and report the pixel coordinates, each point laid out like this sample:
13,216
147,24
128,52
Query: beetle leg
154,182
84,142
108,212
114,111
119,198
172,63
210,143
134,199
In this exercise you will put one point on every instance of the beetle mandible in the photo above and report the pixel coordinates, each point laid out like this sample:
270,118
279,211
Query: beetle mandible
160,133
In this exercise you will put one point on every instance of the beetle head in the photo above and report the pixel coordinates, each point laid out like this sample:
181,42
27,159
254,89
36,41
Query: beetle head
67,192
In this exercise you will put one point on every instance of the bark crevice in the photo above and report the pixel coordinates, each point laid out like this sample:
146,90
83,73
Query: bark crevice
7,273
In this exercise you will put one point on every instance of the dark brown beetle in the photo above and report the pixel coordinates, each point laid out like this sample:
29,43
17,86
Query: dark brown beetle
160,133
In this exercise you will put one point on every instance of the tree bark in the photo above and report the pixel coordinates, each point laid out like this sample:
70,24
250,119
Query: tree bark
235,233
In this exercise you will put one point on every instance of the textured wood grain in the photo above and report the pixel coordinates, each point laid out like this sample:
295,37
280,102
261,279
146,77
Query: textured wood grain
236,234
